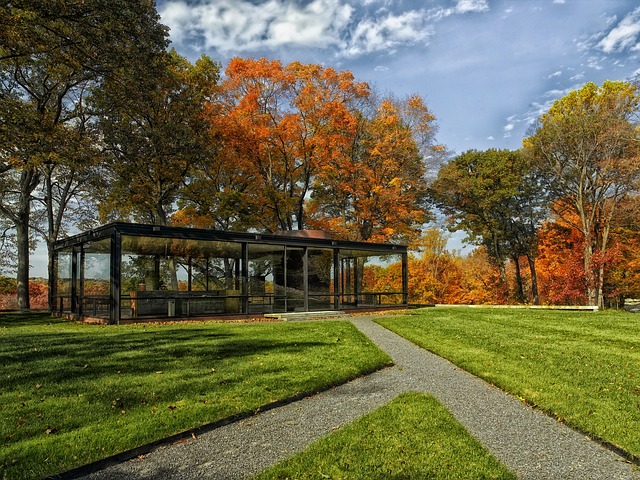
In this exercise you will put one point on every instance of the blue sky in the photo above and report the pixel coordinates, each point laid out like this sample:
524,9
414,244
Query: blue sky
486,68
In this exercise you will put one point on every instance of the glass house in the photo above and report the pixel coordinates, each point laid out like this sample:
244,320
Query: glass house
126,271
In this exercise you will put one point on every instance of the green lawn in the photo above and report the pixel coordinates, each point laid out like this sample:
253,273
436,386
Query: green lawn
72,393
583,367
411,437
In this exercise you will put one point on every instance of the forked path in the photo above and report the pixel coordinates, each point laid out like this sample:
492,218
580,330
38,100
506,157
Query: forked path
530,443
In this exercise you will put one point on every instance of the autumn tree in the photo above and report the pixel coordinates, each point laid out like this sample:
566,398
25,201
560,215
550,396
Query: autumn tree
588,150
280,125
51,54
376,189
435,272
560,261
497,199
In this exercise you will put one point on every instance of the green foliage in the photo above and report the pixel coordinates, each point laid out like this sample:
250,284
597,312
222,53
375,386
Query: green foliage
581,367
496,197
587,147
72,393
7,285
492,196
414,436
53,54
155,134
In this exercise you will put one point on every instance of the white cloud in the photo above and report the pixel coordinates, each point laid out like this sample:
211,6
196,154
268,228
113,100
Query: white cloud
559,2
240,25
381,68
624,35
555,74
237,26
490,138
595,62
387,33
461,7
467,6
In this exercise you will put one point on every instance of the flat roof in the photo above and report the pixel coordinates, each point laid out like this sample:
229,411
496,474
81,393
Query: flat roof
144,230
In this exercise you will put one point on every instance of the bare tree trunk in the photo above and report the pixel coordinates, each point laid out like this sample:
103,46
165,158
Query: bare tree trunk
592,291
22,236
29,179
519,287
534,280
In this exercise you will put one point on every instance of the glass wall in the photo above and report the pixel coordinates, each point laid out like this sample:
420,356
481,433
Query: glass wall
189,273
64,280
368,280
321,279
95,279
168,277
276,278
265,295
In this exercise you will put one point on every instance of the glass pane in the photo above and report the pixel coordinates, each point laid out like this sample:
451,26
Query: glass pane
321,279
179,277
264,295
369,280
96,281
63,280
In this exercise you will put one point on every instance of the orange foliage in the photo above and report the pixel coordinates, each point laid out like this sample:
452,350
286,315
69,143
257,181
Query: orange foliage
623,274
560,265
440,276
38,297
279,125
374,191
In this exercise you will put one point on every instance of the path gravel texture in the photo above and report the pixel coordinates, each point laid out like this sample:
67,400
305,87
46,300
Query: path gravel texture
531,444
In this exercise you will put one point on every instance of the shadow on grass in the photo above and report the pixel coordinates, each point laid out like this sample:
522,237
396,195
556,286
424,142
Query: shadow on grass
28,319
52,358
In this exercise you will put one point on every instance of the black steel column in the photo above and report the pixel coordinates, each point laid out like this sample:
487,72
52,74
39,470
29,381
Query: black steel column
336,279
405,279
245,277
74,280
305,278
114,291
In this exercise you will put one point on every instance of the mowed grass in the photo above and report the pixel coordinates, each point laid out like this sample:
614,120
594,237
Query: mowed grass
414,436
72,393
582,367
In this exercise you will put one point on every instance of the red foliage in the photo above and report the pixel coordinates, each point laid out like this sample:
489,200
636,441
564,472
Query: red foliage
560,265
38,297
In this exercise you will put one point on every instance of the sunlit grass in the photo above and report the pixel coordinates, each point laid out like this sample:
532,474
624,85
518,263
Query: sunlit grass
411,437
71,393
582,367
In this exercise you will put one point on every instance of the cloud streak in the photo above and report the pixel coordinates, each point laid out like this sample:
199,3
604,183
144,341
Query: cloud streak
348,29
624,35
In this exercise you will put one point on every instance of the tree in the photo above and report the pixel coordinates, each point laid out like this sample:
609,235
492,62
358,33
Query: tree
560,259
496,198
51,53
154,133
376,190
588,151
283,124
435,276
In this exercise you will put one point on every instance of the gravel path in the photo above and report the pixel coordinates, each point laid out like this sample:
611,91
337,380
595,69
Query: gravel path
530,443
